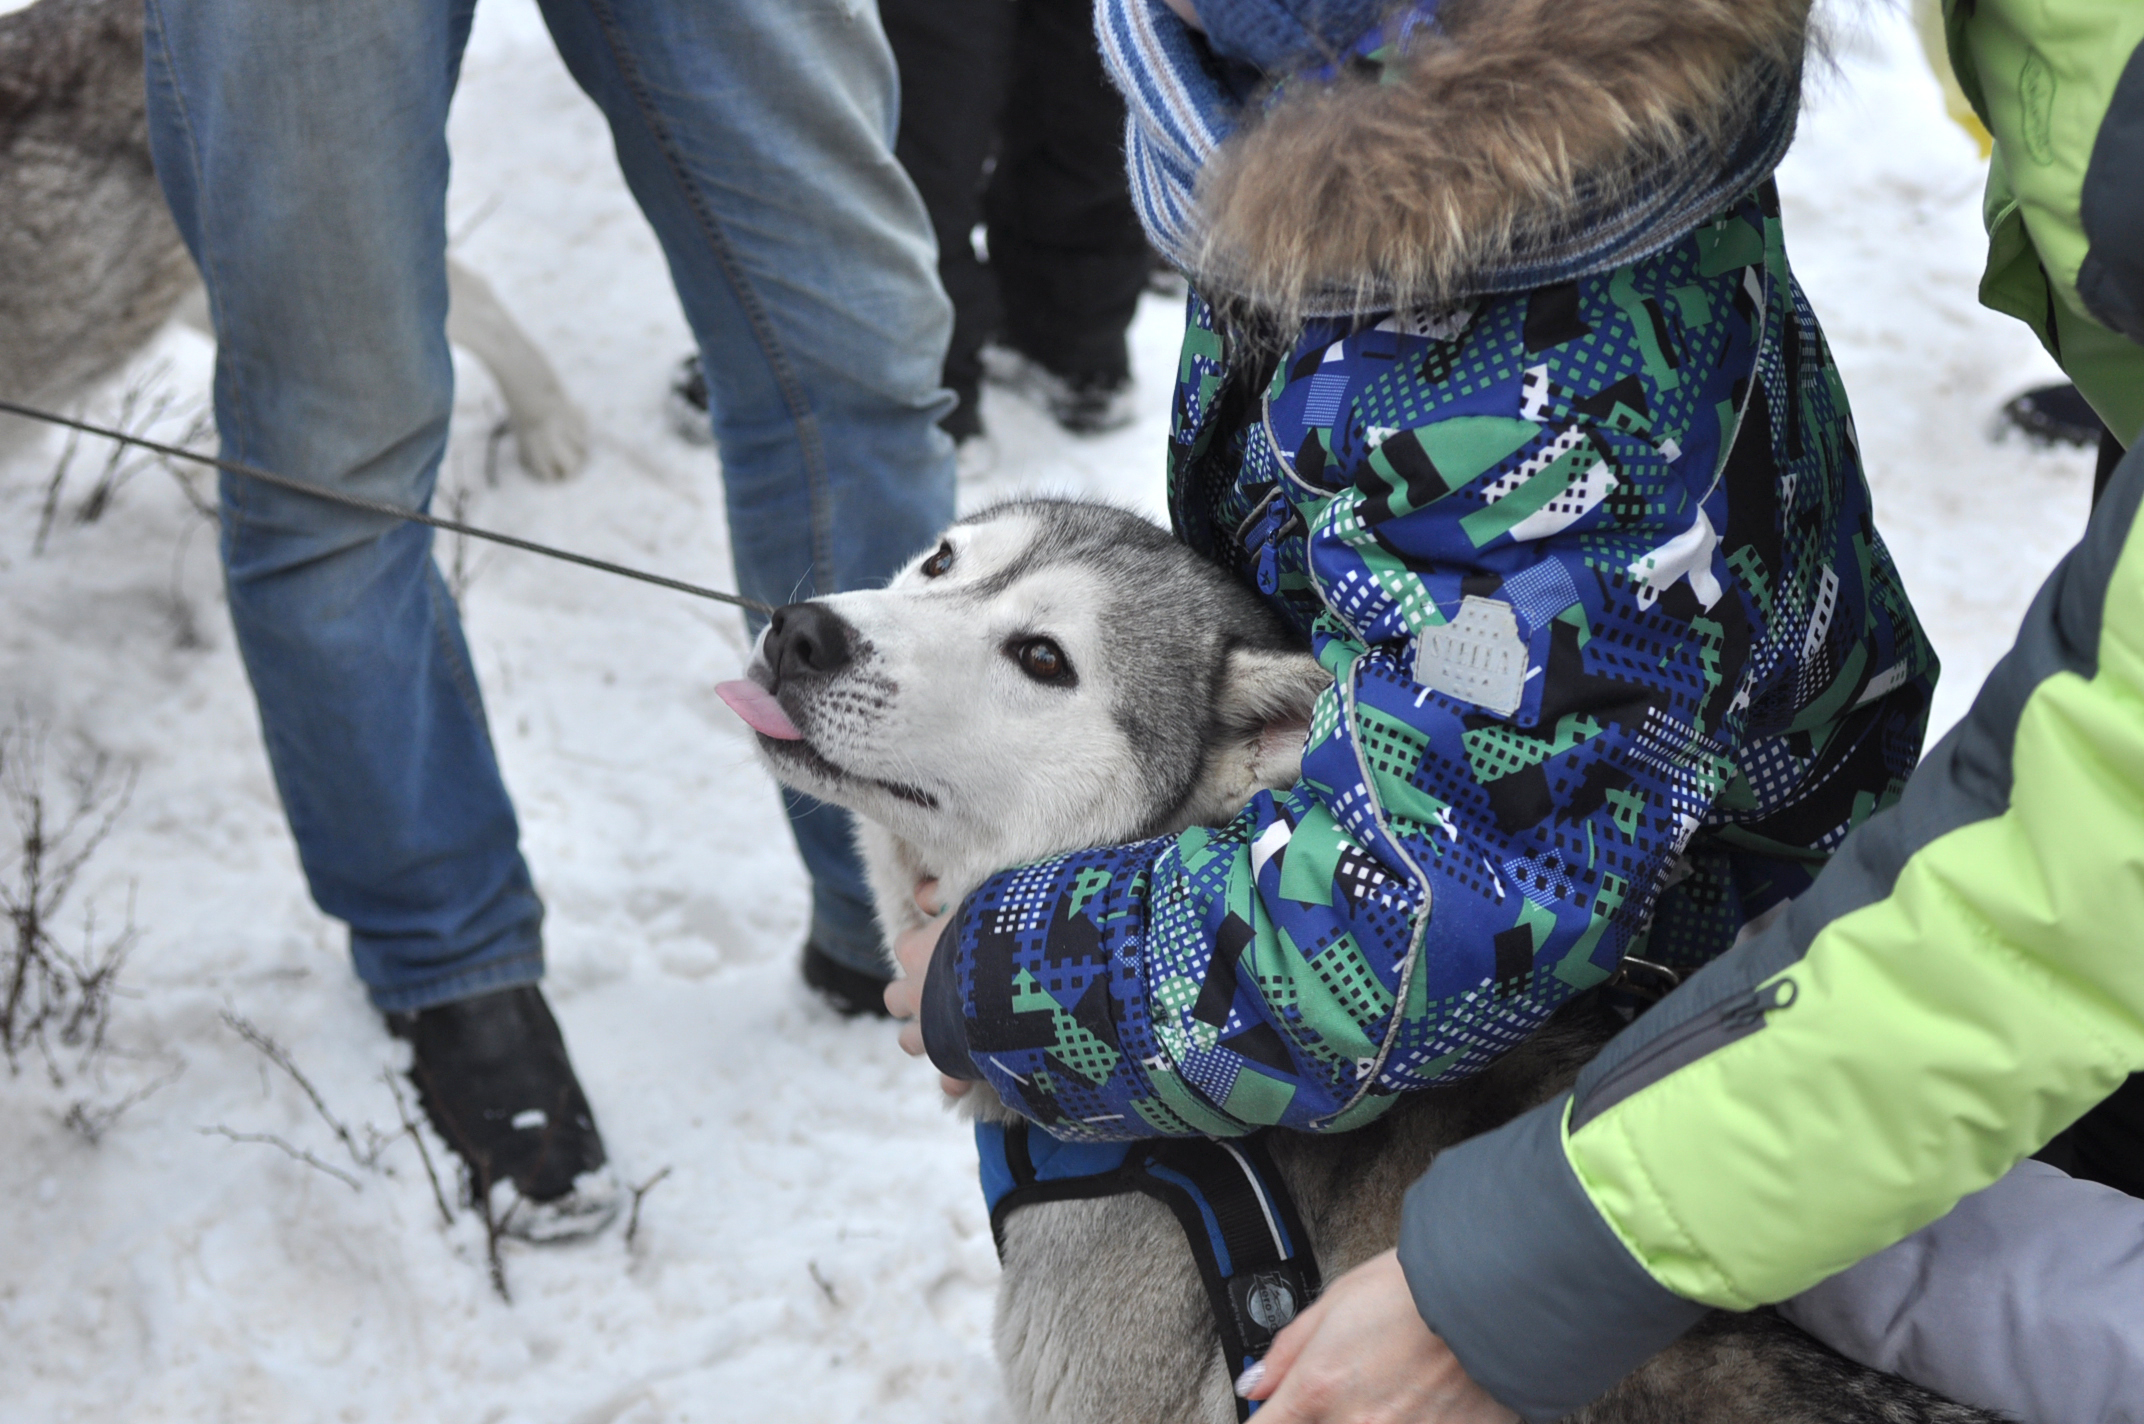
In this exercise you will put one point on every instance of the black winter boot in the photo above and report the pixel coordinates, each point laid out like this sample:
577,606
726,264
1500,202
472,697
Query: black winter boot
687,403
1081,402
495,1081
2056,415
852,993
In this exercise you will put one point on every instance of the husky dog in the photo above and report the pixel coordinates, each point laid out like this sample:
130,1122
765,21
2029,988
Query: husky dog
1059,674
91,266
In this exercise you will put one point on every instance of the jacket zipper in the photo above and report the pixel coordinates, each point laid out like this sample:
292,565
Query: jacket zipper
1271,520
1416,931
1706,1033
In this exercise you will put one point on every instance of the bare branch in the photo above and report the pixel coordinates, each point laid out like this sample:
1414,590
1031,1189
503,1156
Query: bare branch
424,1153
93,1122
278,1055
46,992
458,567
49,510
97,804
632,1222
143,405
501,428
494,1232
470,224
297,1153
195,436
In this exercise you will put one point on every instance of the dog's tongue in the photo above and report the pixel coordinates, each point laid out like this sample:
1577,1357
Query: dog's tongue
759,709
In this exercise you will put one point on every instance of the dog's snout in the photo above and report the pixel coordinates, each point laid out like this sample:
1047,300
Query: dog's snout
807,639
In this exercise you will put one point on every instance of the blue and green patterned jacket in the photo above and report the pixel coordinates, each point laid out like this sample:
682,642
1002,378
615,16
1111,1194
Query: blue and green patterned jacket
1618,658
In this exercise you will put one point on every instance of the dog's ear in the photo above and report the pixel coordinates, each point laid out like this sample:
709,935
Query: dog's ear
1261,718
1264,704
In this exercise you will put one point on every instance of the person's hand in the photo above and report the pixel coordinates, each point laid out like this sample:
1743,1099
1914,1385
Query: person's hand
912,950
1361,1355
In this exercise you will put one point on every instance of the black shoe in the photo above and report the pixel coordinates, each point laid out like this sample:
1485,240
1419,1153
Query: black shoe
1081,402
964,421
2056,415
495,1081
687,403
1094,404
852,993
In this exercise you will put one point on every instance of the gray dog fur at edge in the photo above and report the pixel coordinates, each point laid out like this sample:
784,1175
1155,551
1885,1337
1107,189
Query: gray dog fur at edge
91,266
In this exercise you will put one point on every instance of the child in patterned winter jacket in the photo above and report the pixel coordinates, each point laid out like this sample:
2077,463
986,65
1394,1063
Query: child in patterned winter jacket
1497,385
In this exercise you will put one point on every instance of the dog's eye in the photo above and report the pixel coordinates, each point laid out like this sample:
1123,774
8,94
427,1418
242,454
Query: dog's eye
939,562
1043,661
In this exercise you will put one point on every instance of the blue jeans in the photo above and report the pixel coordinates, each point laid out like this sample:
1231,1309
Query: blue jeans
303,149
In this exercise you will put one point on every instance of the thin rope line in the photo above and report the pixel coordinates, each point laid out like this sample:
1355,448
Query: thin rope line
392,511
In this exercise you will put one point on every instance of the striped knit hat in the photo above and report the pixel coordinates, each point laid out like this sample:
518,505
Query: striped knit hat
1185,91
1271,33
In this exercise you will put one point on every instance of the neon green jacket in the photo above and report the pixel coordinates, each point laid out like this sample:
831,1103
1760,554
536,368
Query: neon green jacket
1963,981
2042,75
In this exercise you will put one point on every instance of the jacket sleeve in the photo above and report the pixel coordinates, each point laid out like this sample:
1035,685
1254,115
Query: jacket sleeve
1960,984
2027,1298
1538,639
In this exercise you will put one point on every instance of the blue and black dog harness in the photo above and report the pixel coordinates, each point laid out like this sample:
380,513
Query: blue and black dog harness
1251,1249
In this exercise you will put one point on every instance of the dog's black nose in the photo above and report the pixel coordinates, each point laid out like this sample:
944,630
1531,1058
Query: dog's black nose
806,639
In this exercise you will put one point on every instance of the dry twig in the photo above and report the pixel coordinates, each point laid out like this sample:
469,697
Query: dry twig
494,1232
46,992
458,566
92,1122
196,436
632,1221
142,406
279,1056
424,1154
500,429
49,511
376,1141
218,1130
145,403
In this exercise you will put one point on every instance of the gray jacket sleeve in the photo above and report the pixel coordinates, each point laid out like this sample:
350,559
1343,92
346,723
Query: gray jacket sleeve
2028,1298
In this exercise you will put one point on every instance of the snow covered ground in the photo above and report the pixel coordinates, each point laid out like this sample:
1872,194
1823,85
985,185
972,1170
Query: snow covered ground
819,1250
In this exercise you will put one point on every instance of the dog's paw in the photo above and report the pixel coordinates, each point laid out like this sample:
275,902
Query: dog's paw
981,1103
554,446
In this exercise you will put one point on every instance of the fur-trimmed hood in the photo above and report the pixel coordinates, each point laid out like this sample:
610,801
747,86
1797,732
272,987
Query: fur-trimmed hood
1509,144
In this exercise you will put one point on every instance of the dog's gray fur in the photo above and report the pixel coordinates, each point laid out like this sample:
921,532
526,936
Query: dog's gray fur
91,265
1188,696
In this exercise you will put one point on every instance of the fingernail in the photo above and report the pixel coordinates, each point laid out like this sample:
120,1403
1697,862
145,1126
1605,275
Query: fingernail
1252,1377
